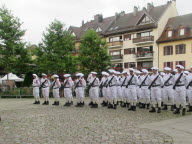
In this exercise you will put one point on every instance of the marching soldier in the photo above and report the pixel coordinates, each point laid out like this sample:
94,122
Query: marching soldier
167,88
112,85
94,91
103,86
89,78
145,82
45,84
138,89
124,90
56,85
80,85
180,90
131,89
156,81
189,90
68,85
119,89
36,85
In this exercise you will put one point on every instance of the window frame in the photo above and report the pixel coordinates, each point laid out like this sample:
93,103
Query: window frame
177,49
170,51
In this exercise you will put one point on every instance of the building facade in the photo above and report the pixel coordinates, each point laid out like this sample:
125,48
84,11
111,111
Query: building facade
132,37
175,43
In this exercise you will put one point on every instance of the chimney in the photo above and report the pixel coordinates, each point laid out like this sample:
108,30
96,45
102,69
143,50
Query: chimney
149,7
83,22
122,13
135,10
98,18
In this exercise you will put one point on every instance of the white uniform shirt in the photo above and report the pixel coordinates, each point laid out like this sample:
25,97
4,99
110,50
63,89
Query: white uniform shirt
80,82
182,81
189,79
124,81
104,81
56,84
96,82
147,81
36,82
166,77
46,84
159,80
68,83
134,80
119,80
113,80
139,79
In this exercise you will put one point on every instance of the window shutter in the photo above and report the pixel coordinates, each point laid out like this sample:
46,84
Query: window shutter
164,50
183,64
165,64
171,47
176,49
177,62
171,65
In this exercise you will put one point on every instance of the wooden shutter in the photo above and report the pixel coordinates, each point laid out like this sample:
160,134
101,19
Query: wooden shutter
171,65
183,63
177,62
171,47
176,49
165,64
164,50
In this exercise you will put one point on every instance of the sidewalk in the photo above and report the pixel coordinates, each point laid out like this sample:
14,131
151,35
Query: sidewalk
180,129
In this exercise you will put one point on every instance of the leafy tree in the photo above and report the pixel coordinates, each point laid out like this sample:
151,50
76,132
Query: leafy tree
55,52
28,79
14,56
93,53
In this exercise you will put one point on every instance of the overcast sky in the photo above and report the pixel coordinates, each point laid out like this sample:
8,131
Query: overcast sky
36,15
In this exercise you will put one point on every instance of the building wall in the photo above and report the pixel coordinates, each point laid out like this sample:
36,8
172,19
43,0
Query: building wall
187,57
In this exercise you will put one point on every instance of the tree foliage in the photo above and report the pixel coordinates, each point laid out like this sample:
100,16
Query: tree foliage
14,56
93,53
55,52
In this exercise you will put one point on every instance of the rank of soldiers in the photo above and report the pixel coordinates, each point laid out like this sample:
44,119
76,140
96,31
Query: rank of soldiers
129,89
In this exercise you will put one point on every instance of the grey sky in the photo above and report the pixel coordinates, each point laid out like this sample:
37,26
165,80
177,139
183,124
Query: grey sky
36,15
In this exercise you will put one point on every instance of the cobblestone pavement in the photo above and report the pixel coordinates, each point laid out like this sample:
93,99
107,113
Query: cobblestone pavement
25,123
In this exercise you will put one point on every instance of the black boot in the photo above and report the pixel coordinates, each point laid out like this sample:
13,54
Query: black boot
165,107
115,106
127,104
57,103
121,103
110,106
38,102
77,105
71,102
47,103
148,106
190,109
183,112
91,103
159,110
131,108
140,105
124,105
103,103
134,108
172,108
35,102
152,110
54,103
94,106
80,104
143,105
66,104
162,104
117,102
44,103
177,111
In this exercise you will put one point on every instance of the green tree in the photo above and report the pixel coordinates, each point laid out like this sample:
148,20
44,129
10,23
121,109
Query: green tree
55,52
14,56
93,53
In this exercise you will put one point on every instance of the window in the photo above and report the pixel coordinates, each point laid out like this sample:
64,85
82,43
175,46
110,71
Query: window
143,34
168,50
129,65
113,53
114,39
127,37
145,64
182,32
180,49
169,34
168,64
145,49
117,66
129,51
180,63
73,34
98,29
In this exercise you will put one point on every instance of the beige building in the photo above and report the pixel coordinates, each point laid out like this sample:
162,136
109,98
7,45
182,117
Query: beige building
132,37
175,43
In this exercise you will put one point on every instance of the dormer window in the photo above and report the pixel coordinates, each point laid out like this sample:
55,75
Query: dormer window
145,20
170,33
182,32
98,29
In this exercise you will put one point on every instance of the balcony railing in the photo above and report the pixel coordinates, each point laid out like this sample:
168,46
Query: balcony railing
117,57
145,39
147,54
116,44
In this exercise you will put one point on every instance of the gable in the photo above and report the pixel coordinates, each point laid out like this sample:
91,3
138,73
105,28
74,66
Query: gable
145,19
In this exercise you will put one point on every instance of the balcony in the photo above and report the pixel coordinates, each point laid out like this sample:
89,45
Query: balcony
144,55
117,58
143,40
116,44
